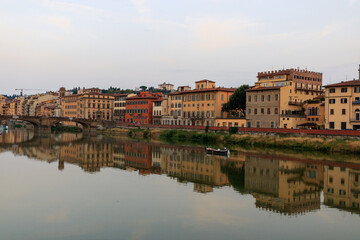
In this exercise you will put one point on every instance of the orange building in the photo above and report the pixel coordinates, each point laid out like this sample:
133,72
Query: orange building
91,105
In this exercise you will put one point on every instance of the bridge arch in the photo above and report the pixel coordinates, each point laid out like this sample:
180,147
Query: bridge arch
34,121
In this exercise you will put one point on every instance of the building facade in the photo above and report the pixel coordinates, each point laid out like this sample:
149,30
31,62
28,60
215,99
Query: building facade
119,106
139,108
342,105
294,87
93,105
202,106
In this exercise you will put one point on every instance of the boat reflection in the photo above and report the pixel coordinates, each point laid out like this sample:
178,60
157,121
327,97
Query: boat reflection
280,184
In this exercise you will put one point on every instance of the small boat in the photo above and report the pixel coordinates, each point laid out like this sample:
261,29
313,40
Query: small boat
218,151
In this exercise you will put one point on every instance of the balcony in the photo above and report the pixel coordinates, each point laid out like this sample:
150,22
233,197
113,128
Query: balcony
356,120
292,115
356,103
295,103
303,88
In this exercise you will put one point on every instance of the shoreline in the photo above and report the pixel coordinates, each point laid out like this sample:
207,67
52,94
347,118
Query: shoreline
321,144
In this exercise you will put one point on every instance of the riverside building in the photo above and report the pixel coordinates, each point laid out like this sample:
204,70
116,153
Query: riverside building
278,98
90,105
342,105
139,109
202,106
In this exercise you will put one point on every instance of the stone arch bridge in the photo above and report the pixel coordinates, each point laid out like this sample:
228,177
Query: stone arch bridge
47,122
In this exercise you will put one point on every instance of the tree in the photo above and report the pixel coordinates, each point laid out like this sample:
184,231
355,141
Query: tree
143,88
237,101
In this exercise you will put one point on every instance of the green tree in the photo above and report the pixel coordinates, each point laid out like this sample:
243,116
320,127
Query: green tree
237,101
143,88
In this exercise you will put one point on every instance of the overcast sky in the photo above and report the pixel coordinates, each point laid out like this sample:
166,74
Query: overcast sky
45,44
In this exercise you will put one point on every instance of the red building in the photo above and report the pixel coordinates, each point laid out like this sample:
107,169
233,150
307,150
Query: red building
139,108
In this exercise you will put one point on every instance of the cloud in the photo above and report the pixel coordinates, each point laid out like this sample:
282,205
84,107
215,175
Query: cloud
216,33
352,2
141,6
59,21
71,7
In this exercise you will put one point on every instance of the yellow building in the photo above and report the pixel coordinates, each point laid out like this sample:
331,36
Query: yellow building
3,105
88,106
17,106
280,95
202,106
342,105
173,116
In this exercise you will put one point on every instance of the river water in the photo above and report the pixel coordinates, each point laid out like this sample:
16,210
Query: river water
75,186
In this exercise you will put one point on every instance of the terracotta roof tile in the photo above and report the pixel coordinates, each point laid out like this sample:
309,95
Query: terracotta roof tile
344,84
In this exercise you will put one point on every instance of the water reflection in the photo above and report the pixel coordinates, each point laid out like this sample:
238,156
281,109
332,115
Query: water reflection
285,185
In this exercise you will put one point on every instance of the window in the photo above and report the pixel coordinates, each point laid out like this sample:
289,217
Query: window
276,110
249,99
255,111
343,111
343,89
222,97
331,125
262,98
344,100
331,111
342,192
255,98
258,124
262,111
276,97
268,111
332,90
357,89
268,98
331,101
272,124
249,111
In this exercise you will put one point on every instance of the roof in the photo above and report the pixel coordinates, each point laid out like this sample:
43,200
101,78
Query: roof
208,90
87,93
205,80
344,84
263,89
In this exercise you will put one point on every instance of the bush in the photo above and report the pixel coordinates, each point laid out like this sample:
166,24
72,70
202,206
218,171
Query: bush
207,129
233,130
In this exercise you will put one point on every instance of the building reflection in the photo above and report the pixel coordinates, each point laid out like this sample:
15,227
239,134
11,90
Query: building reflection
342,188
188,165
288,187
282,185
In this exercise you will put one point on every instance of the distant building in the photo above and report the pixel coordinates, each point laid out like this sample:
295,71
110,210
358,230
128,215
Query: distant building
91,105
184,88
166,86
89,90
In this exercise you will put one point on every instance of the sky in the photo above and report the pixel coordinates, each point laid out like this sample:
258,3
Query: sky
47,44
